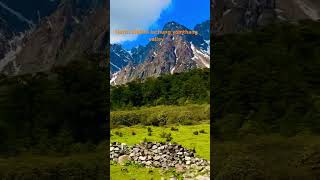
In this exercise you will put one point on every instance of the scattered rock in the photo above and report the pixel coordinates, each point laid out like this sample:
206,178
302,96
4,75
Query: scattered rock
123,159
203,178
148,163
180,168
142,158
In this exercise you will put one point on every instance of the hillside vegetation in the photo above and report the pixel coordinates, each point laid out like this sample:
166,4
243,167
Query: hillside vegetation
161,115
171,108
177,89
266,99
53,124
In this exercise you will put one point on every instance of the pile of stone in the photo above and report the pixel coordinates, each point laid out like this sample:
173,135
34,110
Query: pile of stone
159,155
117,150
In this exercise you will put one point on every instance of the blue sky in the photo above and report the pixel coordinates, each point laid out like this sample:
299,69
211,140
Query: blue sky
186,12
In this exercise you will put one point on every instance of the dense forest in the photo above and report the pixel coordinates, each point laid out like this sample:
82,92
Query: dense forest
52,111
177,89
268,80
265,94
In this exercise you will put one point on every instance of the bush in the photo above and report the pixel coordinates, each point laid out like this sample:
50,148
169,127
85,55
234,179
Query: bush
133,133
149,134
174,129
202,131
167,136
149,129
185,118
195,132
119,133
157,119
125,118
163,135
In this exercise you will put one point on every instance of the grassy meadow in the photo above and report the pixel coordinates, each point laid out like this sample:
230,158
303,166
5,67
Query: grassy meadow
188,125
86,165
270,156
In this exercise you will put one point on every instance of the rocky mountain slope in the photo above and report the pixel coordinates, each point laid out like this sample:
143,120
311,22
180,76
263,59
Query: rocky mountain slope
119,58
176,53
16,19
238,15
73,28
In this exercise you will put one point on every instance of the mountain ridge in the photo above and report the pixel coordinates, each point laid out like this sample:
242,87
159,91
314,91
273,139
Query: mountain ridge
176,53
231,16
74,28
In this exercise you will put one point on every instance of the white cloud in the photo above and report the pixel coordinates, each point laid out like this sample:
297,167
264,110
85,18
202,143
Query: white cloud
134,15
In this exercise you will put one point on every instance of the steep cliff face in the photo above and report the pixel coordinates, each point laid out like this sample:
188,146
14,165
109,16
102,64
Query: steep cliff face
73,28
18,18
238,15
176,53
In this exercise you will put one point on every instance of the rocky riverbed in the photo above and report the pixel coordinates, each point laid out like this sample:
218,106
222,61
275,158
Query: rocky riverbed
162,155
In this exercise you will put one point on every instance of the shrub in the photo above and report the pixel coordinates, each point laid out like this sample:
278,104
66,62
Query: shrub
185,118
160,115
174,129
124,169
163,135
119,133
149,134
167,136
125,118
133,133
202,131
149,129
195,132
157,119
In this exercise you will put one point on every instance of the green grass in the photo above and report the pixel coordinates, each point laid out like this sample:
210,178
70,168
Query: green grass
76,166
131,127
183,136
268,157
130,172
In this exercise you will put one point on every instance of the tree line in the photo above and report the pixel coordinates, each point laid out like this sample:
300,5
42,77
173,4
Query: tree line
177,89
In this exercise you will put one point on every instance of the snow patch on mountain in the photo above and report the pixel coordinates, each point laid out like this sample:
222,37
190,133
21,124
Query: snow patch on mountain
208,48
115,66
200,56
113,79
309,10
15,46
172,70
